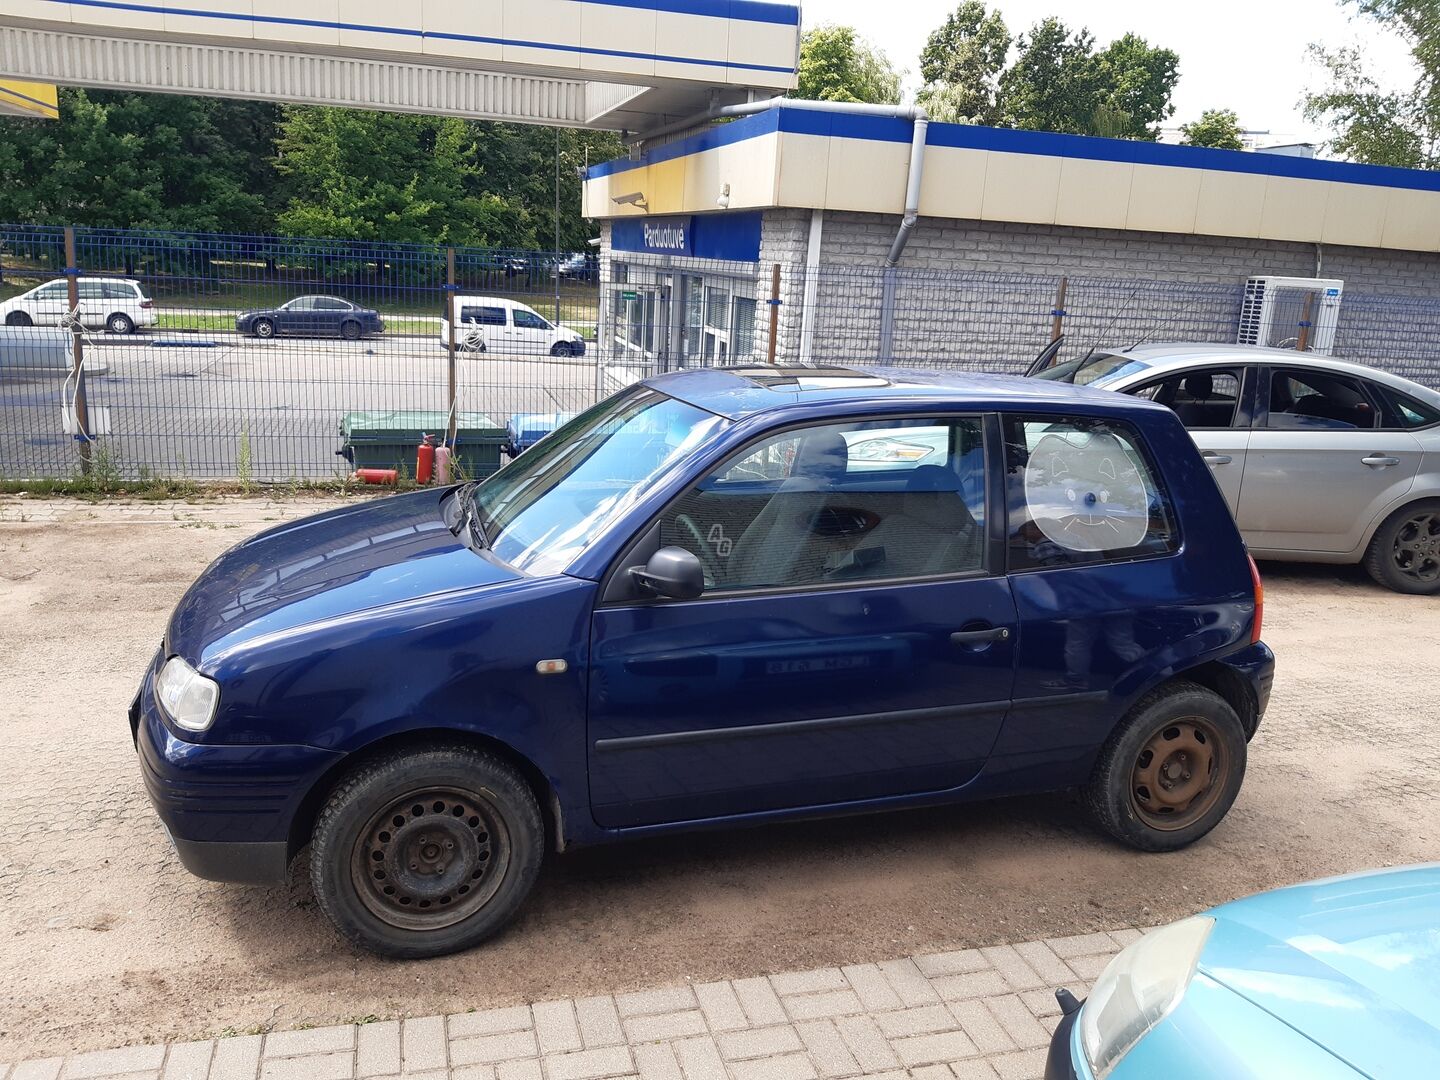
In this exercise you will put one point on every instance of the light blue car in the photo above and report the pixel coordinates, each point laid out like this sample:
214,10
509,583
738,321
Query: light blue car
1335,978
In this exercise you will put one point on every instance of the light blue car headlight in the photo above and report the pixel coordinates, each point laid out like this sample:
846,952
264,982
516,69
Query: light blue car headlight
1138,989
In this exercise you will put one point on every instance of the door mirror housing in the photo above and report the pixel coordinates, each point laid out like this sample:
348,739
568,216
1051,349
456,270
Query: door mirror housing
673,573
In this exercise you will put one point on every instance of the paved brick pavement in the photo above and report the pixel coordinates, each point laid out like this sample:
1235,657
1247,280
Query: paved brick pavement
976,1014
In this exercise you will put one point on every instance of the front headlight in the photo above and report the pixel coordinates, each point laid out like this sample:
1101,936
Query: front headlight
1139,988
187,697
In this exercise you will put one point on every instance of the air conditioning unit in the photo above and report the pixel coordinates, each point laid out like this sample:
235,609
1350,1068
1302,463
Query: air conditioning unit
1291,313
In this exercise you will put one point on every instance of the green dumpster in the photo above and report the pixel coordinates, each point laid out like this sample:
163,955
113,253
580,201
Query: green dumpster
388,440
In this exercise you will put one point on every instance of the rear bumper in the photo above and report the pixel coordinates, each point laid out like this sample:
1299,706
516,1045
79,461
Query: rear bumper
227,809
1255,664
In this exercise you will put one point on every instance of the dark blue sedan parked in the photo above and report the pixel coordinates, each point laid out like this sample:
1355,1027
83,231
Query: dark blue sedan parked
312,316
719,597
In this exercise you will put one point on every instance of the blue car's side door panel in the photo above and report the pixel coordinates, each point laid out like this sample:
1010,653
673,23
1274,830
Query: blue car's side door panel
771,701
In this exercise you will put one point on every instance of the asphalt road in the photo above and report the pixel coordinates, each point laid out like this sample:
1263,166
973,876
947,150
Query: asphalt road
104,939
198,411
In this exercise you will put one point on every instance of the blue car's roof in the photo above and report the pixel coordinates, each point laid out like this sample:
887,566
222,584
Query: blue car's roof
1351,962
737,392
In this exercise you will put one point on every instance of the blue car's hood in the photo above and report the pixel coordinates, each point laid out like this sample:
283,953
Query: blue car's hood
323,567
1352,962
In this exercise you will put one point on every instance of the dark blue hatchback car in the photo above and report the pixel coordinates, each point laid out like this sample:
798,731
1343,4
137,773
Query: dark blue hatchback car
719,597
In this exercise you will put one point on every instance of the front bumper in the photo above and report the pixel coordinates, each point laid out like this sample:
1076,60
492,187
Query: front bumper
1060,1064
227,809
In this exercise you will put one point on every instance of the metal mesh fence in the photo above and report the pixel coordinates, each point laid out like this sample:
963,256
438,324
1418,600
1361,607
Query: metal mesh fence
245,357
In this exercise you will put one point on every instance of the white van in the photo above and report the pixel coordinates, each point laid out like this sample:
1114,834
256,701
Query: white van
494,324
120,305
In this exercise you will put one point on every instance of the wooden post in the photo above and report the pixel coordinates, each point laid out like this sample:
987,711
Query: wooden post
450,287
1057,323
1302,342
774,312
77,351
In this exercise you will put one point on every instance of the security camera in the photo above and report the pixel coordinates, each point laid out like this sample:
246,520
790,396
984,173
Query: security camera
724,200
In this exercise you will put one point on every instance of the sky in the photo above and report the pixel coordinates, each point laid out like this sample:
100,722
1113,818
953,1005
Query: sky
1245,55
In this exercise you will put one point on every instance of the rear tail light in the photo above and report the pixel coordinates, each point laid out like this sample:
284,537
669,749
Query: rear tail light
147,303
1259,600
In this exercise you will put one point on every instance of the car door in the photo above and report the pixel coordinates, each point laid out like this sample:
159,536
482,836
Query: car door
49,303
854,641
1215,403
1321,465
533,335
327,315
296,316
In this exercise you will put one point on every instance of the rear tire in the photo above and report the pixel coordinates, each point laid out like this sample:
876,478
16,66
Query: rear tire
1171,769
120,323
19,318
350,331
413,885
1404,554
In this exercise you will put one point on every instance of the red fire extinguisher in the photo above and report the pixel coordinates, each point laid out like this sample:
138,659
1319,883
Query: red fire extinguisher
425,460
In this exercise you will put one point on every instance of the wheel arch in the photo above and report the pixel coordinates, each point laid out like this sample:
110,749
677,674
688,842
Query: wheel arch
1216,676
302,824
1426,488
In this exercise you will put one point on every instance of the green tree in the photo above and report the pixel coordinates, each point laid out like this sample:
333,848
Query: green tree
1377,126
1135,81
149,161
1060,83
1053,84
1216,128
386,176
836,64
961,65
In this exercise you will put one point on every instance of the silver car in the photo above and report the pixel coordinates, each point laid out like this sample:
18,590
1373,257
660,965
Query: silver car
1320,460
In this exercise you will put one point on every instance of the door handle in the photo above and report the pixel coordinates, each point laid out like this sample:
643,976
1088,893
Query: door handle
1380,460
980,637
1212,458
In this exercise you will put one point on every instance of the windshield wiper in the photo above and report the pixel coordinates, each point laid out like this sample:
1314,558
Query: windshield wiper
470,516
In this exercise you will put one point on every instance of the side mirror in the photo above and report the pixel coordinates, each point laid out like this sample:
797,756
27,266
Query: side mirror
673,573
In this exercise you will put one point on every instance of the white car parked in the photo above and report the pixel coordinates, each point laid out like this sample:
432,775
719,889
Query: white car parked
120,305
494,324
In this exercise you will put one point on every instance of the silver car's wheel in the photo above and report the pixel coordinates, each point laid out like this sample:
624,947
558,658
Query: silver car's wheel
1405,553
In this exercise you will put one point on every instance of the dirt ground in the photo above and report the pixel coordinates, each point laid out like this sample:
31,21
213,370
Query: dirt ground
105,940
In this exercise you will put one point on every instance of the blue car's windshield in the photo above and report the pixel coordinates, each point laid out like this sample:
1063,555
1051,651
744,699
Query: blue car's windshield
540,511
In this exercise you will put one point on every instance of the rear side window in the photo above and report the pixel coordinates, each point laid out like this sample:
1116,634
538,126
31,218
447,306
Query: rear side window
1405,411
483,316
1081,491
1309,400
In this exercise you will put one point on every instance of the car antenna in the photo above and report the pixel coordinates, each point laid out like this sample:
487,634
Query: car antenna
1125,307
1150,334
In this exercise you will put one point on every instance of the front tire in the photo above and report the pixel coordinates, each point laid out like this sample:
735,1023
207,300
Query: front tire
264,329
425,852
561,348
19,318
1171,769
120,323
1404,554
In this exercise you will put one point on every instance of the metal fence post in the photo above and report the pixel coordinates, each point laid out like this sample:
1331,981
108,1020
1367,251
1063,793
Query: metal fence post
450,287
77,351
1057,323
774,312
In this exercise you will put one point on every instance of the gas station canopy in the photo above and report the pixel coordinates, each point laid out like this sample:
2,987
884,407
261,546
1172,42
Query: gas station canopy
627,65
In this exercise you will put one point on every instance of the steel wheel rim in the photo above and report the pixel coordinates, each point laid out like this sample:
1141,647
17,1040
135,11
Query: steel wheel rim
431,858
1178,774
264,329
1417,547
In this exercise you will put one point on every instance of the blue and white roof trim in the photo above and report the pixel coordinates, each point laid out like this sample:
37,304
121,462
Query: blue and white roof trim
791,156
